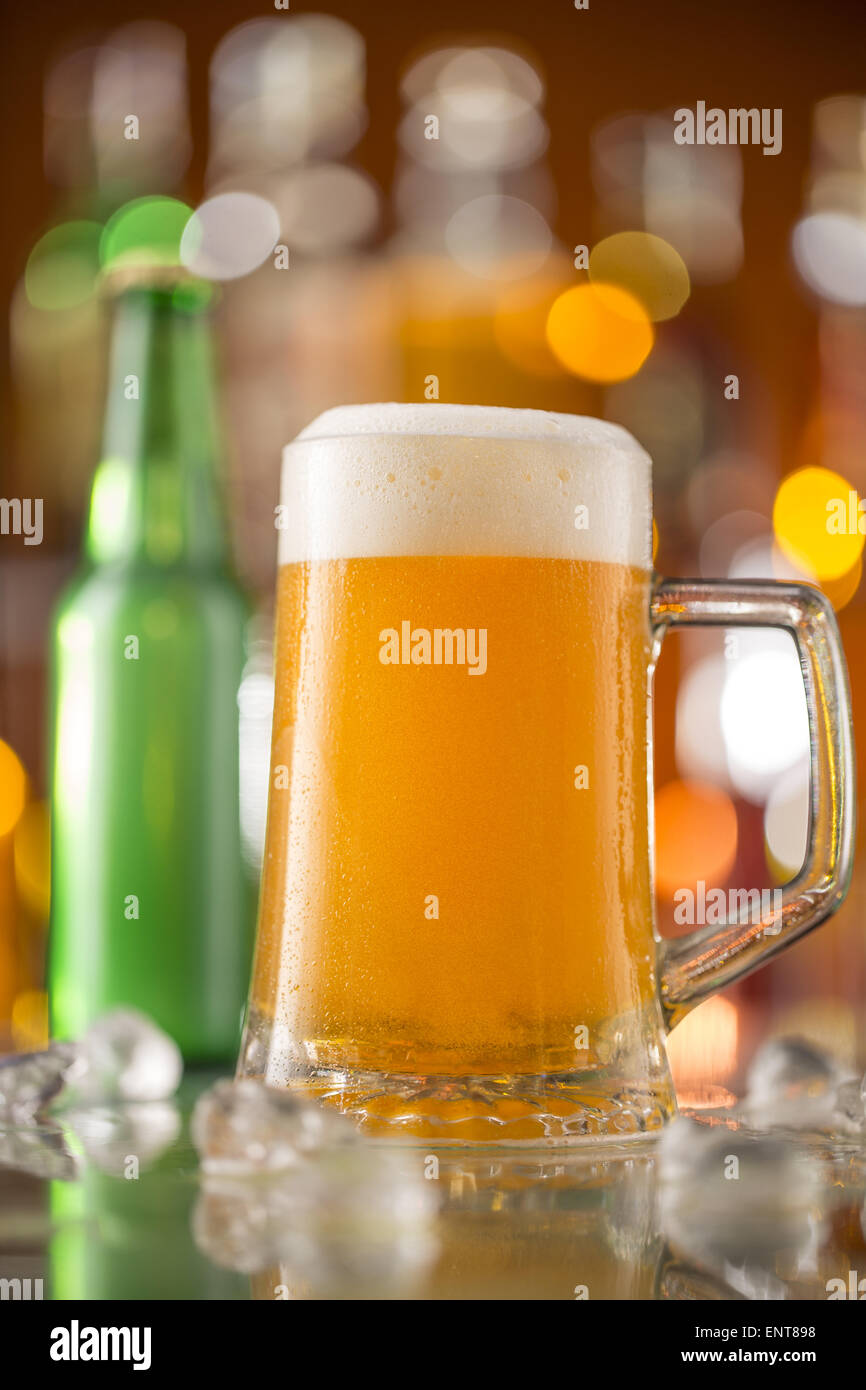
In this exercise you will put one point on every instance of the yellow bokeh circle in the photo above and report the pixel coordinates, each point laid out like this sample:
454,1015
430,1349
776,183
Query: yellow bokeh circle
841,591
816,521
647,266
13,789
599,332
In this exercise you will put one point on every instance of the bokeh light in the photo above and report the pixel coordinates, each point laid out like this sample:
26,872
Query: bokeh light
285,89
695,835
299,58
700,744
498,238
229,235
645,265
141,69
146,231
703,1051
485,129
465,72
761,558
829,250
764,718
841,591
690,195
803,513
324,208
786,823
63,267
599,332
13,789
706,228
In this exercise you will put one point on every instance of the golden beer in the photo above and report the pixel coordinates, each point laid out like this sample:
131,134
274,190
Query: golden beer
456,939
457,884
457,872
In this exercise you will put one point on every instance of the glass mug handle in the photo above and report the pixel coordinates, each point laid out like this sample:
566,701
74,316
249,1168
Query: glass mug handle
695,966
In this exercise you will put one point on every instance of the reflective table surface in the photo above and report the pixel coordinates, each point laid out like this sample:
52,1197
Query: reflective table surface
109,1203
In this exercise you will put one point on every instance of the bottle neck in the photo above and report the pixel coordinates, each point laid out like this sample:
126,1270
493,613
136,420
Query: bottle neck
155,497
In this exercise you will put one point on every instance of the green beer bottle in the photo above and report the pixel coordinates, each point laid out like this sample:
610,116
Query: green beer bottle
150,900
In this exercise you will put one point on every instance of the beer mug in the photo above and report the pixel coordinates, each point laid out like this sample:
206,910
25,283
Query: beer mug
456,938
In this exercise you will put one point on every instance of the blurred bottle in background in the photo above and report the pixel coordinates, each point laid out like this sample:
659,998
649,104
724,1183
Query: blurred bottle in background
310,327
306,326
473,259
151,903
115,126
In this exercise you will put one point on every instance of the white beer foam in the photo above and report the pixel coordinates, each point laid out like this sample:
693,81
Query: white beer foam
469,421
394,479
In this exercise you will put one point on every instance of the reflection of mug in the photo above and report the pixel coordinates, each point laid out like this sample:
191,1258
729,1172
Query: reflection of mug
456,927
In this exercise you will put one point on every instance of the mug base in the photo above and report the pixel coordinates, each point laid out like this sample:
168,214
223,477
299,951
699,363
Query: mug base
549,1111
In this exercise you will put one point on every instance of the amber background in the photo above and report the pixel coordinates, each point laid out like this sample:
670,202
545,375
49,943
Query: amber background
618,56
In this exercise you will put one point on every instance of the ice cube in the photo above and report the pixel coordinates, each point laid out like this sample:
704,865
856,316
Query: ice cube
728,1196
40,1150
681,1147
247,1127
127,1057
792,1084
351,1218
112,1136
29,1081
849,1111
